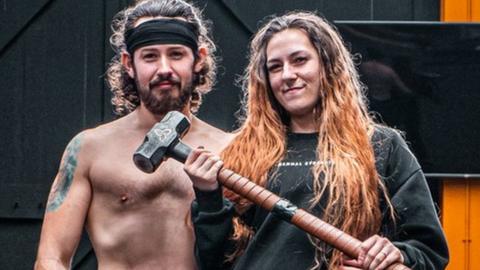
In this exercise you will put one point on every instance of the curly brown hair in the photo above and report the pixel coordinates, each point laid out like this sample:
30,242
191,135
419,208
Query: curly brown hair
125,96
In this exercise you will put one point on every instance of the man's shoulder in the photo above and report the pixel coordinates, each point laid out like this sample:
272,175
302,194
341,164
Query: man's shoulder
222,138
96,136
216,132
211,136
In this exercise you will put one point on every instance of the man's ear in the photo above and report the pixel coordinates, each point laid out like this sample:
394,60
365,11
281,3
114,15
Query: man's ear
202,55
127,63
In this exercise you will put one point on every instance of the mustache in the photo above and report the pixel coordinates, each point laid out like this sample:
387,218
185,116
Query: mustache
163,79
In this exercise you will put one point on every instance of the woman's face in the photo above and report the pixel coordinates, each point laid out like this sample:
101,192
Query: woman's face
294,71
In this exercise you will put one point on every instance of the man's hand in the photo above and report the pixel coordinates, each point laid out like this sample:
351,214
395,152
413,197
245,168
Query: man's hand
376,253
202,167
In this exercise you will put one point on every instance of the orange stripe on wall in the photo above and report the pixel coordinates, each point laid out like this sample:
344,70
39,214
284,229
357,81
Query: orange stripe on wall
475,10
454,212
460,10
461,197
456,10
475,224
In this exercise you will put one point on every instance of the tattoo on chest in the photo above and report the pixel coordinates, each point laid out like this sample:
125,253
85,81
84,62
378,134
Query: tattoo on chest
65,175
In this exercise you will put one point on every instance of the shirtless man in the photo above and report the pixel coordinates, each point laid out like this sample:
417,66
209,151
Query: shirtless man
135,220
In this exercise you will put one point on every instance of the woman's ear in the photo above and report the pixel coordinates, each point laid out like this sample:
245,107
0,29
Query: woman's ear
127,63
202,55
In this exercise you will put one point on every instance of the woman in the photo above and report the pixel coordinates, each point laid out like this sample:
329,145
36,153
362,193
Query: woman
308,137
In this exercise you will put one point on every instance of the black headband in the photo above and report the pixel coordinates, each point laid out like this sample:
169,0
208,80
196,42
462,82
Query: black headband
161,31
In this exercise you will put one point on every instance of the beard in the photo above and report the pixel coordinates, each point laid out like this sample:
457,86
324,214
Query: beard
165,101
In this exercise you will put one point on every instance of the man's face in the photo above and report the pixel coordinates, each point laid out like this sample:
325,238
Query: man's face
163,75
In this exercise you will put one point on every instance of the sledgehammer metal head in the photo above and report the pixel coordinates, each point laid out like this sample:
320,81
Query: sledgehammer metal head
163,141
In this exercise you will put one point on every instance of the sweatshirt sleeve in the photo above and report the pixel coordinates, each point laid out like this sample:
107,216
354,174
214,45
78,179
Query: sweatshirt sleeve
418,232
212,219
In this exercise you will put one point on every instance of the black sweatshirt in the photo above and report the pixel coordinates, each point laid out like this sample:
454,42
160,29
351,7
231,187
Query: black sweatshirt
279,245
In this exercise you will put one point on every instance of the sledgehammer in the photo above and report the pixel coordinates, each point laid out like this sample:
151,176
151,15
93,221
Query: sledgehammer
163,141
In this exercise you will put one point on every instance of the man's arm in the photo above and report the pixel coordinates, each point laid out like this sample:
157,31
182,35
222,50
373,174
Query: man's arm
67,208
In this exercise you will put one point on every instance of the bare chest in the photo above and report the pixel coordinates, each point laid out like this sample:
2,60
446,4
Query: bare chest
114,177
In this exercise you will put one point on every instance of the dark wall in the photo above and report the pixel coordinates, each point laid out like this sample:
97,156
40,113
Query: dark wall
235,20
53,56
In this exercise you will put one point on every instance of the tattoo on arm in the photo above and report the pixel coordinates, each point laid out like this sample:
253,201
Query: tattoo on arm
65,175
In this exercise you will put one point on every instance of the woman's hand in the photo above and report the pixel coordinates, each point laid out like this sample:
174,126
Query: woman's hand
202,167
376,253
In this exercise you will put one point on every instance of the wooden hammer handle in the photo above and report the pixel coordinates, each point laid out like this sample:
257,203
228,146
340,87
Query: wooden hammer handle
290,213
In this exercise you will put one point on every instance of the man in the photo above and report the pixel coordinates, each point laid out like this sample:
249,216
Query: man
135,220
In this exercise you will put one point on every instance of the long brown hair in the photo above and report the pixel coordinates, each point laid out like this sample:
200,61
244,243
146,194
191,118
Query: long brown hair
349,178
125,96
